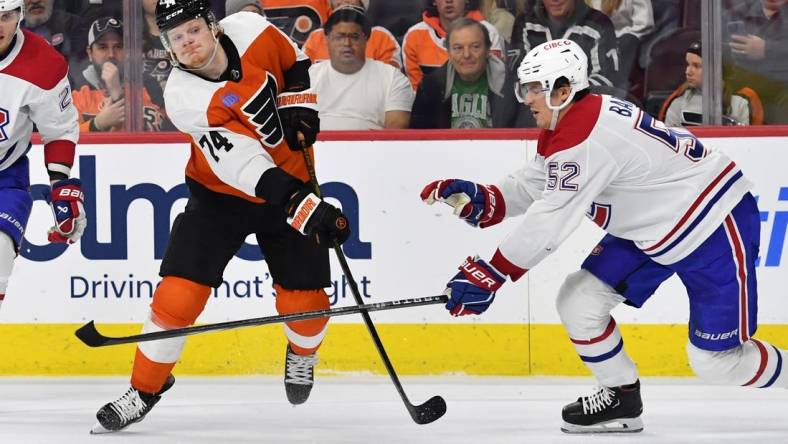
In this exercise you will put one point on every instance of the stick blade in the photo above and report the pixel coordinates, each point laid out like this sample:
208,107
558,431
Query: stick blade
430,411
90,336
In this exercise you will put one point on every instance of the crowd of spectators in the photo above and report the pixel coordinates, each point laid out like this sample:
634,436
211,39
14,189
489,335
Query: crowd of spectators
447,63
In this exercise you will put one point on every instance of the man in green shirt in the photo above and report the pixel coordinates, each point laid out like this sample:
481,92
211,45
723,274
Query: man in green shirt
466,92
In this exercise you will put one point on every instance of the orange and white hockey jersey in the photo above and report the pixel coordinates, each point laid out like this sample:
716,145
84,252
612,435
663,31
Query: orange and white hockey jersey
423,47
234,124
381,46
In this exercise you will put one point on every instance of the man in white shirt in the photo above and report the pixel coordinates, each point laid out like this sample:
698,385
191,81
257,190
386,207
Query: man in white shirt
356,93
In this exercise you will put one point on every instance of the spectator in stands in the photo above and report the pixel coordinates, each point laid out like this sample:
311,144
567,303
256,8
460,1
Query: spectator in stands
56,26
423,49
633,20
381,44
683,107
156,63
297,18
233,6
88,11
573,20
354,92
758,42
466,91
502,19
100,104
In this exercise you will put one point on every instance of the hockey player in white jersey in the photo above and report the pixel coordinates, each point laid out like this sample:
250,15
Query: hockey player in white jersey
669,205
34,90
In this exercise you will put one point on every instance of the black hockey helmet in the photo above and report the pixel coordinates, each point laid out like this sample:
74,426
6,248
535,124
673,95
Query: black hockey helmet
171,13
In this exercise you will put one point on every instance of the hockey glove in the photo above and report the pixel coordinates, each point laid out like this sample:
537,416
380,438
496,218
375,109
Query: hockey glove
479,205
473,289
298,113
67,207
315,218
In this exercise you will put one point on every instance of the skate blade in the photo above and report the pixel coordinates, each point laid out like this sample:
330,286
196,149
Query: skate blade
98,429
622,425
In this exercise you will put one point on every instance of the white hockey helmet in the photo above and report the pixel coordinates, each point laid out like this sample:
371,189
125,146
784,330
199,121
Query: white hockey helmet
549,62
10,5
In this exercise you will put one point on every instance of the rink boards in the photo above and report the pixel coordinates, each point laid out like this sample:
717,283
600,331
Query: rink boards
400,248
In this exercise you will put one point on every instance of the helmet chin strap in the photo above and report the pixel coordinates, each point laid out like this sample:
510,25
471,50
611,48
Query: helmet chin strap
557,109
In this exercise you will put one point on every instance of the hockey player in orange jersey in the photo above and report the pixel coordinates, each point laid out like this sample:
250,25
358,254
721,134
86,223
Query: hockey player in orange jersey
241,93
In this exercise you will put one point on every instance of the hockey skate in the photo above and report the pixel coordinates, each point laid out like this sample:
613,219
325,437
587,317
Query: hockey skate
608,410
128,409
299,376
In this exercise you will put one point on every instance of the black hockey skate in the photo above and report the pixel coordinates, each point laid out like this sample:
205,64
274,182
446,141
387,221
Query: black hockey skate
299,376
128,409
608,410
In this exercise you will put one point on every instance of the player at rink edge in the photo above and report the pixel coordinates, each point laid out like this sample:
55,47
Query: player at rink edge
241,91
669,205
31,96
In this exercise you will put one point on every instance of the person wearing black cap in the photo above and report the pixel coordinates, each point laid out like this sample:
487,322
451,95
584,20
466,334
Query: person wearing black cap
100,102
684,106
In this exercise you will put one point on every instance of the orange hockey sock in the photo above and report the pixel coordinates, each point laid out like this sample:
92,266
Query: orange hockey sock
304,336
177,303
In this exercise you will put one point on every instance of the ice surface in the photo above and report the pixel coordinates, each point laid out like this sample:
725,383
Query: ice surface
365,409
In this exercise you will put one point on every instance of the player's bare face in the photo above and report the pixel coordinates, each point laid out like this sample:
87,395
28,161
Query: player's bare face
534,97
449,10
192,42
8,22
694,71
468,52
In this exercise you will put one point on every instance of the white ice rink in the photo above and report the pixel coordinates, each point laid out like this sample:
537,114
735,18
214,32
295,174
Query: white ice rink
368,410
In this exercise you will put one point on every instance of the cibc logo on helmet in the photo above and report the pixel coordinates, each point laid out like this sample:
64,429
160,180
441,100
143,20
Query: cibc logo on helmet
556,44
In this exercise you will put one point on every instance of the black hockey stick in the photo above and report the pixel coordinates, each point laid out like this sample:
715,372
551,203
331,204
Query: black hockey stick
93,338
434,407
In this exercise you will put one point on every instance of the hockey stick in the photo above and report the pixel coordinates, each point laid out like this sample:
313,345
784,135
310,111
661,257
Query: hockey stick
93,338
434,407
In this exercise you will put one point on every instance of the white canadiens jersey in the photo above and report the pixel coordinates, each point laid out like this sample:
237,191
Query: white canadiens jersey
626,171
34,89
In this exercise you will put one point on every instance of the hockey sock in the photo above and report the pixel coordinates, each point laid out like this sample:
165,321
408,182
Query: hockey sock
604,355
305,336
7,256
177,303
755,363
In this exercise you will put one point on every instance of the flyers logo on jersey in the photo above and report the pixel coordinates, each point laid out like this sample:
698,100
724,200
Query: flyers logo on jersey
261,112
4,120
